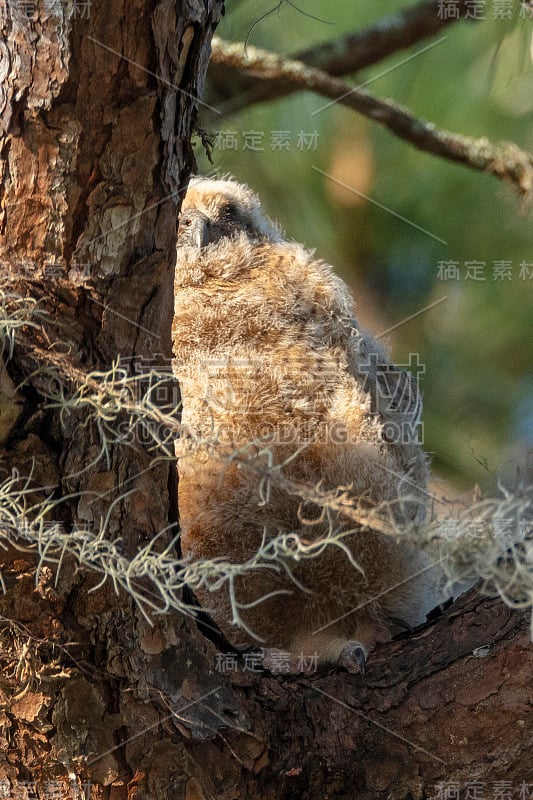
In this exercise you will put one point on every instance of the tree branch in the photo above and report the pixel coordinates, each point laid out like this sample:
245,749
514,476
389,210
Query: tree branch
445,707
342,56
504,160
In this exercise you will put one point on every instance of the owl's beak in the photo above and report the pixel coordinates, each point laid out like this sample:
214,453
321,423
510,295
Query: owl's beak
193,229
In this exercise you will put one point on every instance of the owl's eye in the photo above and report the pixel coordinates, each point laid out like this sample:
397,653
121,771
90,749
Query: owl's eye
229,210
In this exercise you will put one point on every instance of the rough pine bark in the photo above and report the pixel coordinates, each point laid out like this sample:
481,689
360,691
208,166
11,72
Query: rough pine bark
98,107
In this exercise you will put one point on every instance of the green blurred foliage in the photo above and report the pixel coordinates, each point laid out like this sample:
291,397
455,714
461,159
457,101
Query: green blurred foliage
476,79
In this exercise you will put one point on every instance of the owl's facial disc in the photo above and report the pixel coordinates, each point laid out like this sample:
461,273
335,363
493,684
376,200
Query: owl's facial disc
212,219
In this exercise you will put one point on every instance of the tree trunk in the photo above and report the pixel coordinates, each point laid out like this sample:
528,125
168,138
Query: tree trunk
98,106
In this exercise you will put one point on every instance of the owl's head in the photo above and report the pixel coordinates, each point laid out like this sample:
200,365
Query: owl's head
214,210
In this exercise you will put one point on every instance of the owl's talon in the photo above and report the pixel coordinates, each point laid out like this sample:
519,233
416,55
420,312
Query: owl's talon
353,658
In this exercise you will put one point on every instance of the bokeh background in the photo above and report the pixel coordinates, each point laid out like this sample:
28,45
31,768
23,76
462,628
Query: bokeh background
473,258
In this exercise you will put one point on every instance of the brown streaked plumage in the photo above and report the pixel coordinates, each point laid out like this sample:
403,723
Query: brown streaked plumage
267,349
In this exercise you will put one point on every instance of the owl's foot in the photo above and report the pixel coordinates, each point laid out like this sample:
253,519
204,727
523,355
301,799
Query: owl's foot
353,658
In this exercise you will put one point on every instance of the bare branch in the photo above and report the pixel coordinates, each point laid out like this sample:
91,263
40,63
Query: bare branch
342,56
504,160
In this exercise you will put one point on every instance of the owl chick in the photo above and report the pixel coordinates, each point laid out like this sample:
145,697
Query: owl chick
278,379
